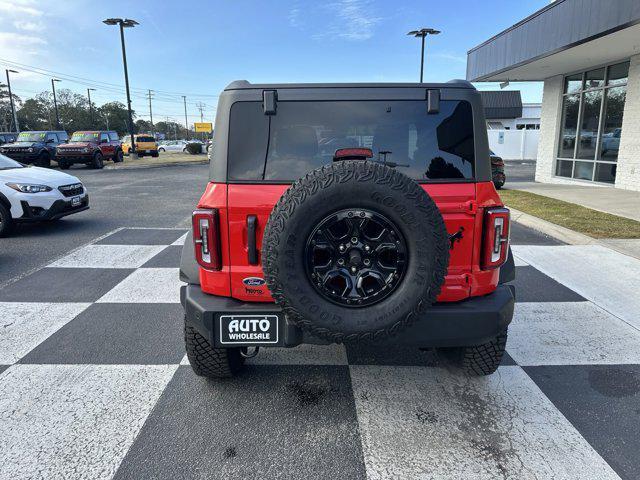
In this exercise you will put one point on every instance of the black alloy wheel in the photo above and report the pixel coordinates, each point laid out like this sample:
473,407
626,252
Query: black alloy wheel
356,257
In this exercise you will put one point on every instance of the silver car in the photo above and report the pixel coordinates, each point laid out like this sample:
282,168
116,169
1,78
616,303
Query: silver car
173,146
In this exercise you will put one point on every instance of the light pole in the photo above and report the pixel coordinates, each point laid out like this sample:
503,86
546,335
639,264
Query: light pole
89,90
55,102
13,107
186,122
422,33
125,23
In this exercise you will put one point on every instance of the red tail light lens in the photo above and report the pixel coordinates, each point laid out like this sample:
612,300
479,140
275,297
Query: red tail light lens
495,242
206,239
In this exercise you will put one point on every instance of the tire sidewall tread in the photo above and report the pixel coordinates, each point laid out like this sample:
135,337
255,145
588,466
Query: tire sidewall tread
366,185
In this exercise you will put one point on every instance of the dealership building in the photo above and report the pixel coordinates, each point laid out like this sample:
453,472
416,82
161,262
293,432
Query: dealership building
587,52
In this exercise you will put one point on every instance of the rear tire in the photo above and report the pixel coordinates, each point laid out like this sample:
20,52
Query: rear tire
479,360
44,160
6,222
118,157
208,361
63,165
98,161
154,155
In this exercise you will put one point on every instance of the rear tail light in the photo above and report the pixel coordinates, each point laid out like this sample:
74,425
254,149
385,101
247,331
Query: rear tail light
206,239
495,242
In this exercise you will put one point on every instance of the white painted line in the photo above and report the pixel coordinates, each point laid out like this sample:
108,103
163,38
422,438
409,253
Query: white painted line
302,355
184,361
607,278
147,285
23,326
109,256
74,421
422,422
40,267
570,333
519,262
180,241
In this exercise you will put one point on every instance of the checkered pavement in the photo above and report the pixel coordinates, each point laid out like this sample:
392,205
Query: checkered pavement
94,382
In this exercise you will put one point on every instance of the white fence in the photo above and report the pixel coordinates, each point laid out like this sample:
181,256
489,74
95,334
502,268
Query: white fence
514,144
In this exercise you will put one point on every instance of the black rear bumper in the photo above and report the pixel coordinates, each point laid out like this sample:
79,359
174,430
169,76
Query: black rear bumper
469,322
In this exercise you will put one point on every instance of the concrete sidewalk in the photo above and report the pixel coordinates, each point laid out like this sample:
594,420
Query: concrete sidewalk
624,203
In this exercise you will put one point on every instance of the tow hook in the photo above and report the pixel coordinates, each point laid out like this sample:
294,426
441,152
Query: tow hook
244,351
455,237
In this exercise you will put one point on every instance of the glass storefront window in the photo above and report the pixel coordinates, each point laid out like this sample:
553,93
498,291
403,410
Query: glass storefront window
594,79
583,170
618,74
570,110
612,125
564,168
573,83
591,125
605,172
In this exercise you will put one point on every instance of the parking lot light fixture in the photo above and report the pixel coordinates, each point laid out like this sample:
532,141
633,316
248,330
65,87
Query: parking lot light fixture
125,23
422,34
13,106
55,102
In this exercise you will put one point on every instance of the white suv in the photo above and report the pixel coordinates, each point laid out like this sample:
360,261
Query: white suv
30,194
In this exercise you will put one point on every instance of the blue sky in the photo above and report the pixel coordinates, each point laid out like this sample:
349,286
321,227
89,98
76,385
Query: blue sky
196,48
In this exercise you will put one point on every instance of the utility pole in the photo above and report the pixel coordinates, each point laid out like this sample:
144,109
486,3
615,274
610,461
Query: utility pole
151,113
125,23
13,107
200,106
89,90
55,102
422,33
186,122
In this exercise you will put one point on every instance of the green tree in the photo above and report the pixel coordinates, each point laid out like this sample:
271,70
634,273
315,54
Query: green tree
6,117
113,116
35,115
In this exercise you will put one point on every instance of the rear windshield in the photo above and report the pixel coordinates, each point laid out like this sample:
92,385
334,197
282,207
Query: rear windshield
145,139
305,135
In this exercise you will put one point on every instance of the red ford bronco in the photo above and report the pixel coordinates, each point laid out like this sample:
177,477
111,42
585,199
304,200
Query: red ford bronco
343,213
90,148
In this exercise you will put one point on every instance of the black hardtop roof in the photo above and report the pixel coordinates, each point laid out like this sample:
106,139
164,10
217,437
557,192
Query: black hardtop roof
43,131
245,85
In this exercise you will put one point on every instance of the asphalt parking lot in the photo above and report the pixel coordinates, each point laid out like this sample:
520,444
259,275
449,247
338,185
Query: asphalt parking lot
94,382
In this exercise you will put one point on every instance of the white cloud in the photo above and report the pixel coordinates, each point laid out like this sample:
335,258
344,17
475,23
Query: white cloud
27,26
357,22
20,8
17,46
347,19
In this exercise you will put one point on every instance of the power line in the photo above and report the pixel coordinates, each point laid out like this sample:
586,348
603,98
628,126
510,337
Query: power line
105,85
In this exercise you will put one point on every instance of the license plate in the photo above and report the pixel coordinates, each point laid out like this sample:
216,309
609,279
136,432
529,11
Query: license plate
147,151
248,329
75,202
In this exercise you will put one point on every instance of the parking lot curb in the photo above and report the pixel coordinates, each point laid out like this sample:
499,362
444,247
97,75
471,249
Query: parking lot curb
564,234
156,165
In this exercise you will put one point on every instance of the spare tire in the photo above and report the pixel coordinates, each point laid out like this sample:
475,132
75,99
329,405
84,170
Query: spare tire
355,250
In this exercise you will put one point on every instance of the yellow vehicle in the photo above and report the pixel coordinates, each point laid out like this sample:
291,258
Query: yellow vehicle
145,145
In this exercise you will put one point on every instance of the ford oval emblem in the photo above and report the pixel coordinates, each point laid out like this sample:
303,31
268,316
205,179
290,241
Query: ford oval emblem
253,281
